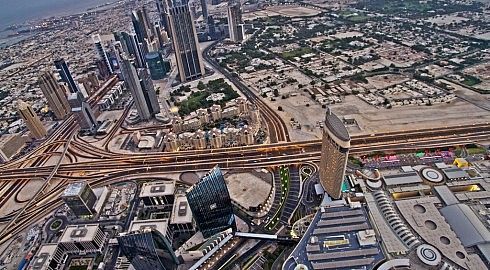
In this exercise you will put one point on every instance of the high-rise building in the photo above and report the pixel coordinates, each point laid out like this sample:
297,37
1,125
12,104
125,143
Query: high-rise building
148,245
55,94
65,75
211,205
83,239
90,82
204,9
83,112
184,38
235,24
157,65
131,47
335,150
101,53
31,120
80,198
142,90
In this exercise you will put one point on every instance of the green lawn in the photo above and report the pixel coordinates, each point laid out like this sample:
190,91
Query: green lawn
471,80
284,174
290,55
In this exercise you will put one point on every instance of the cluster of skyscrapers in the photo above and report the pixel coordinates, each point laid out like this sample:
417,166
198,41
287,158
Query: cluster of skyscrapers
212,211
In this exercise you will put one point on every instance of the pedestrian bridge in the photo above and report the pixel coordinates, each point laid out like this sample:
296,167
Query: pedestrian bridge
268,237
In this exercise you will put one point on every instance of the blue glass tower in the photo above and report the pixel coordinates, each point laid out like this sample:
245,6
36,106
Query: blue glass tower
65,75
210,204
148,250
156,65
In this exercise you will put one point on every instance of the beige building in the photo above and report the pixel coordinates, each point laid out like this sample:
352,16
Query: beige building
10,144
32,121
55,94
335,151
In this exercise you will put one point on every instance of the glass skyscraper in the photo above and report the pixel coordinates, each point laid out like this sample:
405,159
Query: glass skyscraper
149,249
210,204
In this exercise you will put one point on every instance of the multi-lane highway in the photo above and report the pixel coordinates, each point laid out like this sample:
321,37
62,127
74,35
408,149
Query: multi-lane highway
103,167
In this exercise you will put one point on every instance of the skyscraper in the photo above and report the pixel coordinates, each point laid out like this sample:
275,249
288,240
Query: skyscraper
31,120
335,150
235,25
65,75
83,112
184,38
157,66
142,90
55,94
131,47
101,53
204,8
148,245
210,204
80,198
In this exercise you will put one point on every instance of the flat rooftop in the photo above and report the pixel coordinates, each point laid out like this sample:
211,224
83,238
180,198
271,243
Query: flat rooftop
402,179
331,241
160,225
44,255
160,188
79,233
74,189
181,213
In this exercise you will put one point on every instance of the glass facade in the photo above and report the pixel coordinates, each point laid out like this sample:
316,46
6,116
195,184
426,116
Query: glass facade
211,205
148,250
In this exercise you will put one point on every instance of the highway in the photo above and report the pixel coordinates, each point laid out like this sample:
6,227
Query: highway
105,167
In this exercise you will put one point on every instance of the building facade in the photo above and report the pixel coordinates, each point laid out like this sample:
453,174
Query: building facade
65,75
55,94
101,53
83,112
142,90
149,248
335,151
157,65
210,203
80,198
82,239
31,120
235,24
184,38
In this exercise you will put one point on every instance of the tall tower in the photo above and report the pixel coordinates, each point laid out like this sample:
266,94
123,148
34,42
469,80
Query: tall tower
55,94
80,198
65,75
235,25
149,246
204,8
32,121
83,112
184,38
335,151
101,53
210,204
142,90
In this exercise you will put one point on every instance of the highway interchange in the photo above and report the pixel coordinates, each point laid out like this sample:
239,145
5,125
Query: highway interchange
106,167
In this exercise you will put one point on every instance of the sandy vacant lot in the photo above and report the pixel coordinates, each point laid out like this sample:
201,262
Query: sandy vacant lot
247,189
373,120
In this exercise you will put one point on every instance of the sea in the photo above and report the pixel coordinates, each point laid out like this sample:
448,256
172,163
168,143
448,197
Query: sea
19,11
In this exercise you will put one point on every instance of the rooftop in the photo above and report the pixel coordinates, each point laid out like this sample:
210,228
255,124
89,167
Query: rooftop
160,188
155,224
181,212
335,125
79,233
44,255
469,229
74,189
